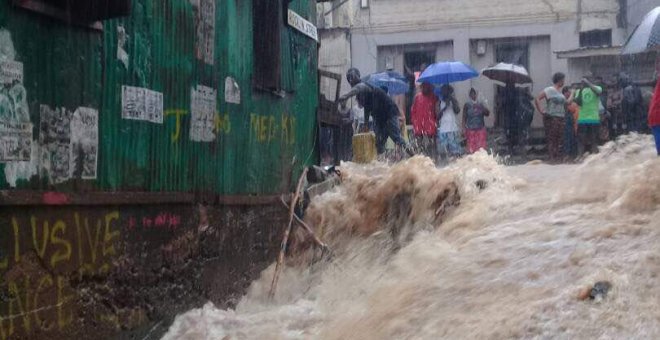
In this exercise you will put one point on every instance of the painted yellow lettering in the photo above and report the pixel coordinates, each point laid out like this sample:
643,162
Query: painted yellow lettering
45,282
93,244
285,128
63,319
227,124
17,242
254,125
271,128
177,127
64,253
263,133
23,306
41,250
110,235
76,218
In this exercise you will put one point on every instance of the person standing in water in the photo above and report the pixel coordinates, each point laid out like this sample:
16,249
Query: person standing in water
474,111
554,115
448,132
588,97
378,104
424,118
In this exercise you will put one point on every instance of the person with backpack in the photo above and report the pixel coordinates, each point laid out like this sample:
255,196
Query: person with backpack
588,98
378,104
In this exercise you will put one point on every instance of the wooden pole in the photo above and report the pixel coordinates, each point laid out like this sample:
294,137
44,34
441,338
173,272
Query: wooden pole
287,231
308,229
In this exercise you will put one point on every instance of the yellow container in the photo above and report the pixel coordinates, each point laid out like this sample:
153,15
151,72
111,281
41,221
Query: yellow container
364,147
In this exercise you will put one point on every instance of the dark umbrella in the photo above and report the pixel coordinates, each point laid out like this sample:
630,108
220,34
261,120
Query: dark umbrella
646,36
508,73
394,82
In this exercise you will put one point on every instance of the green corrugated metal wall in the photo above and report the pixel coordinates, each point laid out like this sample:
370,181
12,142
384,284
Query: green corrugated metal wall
68,66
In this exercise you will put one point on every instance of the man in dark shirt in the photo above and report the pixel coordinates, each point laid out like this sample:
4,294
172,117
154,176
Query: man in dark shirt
378,104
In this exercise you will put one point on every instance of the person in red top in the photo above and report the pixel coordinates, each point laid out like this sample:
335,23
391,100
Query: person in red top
423,115
654,108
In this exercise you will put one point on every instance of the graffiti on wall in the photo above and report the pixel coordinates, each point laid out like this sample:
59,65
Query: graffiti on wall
58,263
205,29
138,103
202,114
221,123
267,128
38,253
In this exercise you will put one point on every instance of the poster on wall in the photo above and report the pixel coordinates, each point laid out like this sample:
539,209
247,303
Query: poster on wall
232,91
84,143
205,29
15,141
15,125
138,103
202,114
11,72
55,142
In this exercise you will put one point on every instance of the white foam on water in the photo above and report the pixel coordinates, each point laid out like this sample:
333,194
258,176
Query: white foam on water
507,262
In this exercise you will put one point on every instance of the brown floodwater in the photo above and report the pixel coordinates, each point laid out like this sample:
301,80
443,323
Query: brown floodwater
475,250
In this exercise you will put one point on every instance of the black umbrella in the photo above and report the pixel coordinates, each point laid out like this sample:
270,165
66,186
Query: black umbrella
646,36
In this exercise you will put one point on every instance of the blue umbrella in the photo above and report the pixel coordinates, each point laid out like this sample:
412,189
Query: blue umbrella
393,81
446,72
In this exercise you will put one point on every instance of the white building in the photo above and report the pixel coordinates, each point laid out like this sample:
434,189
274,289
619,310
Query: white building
544,36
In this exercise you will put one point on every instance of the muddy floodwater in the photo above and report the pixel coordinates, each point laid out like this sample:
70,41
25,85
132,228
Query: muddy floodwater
508,258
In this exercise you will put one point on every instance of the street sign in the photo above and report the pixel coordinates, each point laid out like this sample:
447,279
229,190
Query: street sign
302,25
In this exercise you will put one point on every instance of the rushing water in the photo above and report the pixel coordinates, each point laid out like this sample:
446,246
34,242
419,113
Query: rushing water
507,262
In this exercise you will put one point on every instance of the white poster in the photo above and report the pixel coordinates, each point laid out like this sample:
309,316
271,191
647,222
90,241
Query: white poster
202,114
84,143
232,91
10,72
141,104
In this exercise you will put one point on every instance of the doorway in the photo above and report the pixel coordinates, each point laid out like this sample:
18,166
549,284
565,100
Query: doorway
415,58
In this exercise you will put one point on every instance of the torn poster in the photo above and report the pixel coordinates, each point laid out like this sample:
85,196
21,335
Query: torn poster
55,142
84,143
122,38
10,72
232,91
205,28
202,114
15,141
141,104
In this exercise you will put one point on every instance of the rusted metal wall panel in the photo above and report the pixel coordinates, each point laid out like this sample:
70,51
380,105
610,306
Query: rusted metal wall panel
259,145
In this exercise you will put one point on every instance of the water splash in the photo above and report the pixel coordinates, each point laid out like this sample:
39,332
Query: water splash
508,261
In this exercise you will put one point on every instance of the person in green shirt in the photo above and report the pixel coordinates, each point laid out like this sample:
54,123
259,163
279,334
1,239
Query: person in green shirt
588,97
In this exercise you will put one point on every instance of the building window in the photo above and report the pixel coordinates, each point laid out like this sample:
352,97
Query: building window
267,21
82,12
364,3
596,38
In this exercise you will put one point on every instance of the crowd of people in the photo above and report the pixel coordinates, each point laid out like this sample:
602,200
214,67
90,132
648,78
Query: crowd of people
577,118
